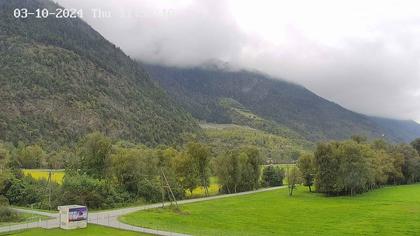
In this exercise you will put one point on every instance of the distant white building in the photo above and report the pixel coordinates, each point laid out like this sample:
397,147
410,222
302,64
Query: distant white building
73,216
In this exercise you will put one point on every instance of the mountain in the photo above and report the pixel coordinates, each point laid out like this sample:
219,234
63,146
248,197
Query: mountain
281,149
218,95
404,130
60,79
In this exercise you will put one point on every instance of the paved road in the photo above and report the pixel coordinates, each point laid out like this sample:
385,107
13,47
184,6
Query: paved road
109,218
42,213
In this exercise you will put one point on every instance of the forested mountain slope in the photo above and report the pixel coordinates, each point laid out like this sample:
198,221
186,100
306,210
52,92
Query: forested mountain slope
60,79
405,130
281,149
222,96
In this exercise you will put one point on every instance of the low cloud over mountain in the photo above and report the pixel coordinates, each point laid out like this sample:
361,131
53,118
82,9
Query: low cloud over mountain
360,54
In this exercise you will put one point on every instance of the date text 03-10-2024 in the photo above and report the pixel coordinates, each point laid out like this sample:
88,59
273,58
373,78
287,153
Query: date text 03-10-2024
45,13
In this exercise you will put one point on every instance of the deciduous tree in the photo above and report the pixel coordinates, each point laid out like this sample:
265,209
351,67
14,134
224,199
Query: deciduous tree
95,151
307,169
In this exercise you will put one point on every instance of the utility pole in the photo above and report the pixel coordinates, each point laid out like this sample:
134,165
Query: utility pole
49,189
163,191
168,186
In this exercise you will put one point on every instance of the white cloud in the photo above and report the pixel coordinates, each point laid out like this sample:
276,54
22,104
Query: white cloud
362,54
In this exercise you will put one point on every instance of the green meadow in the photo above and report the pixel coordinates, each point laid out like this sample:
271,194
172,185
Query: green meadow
386,211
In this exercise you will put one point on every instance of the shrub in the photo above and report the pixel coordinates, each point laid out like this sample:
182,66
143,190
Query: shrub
8,215
26,191
85,190
272,176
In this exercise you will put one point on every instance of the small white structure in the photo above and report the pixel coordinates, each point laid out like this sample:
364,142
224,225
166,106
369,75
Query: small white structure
73,216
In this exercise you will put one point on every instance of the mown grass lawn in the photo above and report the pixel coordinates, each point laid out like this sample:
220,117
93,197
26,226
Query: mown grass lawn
91,230
386,211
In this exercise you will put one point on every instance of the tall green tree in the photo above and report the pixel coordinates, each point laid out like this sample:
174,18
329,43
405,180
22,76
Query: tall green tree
95,151
416,145
228,171
4,157
355,172
127,168
326,166
30,157
411,164
251,168
5,173
200,156
186,172
293,179
387,167
307,169
344,167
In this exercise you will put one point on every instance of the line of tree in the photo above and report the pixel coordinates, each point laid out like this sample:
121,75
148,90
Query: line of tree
102,173
238,170
355,166
34,156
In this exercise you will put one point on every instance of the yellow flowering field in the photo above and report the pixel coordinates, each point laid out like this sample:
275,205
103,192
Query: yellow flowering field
56,175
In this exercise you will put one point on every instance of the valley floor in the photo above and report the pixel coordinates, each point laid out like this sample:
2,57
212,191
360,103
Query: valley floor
386,211
393,210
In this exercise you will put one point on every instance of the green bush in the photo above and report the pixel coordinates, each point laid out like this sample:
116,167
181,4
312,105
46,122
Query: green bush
8,215
4,201
85,190
272,176
23,192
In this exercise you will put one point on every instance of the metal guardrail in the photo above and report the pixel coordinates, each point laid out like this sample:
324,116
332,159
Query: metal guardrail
46,224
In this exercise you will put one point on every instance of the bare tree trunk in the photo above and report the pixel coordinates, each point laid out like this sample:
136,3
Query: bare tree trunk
206,188
291,190
163,191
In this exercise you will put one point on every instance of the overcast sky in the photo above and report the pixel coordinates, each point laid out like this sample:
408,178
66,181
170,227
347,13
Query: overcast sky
364,55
